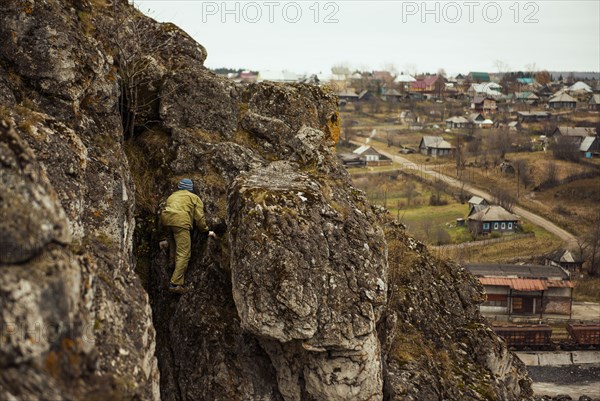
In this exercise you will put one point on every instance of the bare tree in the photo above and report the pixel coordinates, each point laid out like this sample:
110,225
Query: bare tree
389,136
135,44
592,238
522,173
551,173
499,142
566,148
347,131
442,237
475,231
501,66
459,156
409,192
503,198
427,226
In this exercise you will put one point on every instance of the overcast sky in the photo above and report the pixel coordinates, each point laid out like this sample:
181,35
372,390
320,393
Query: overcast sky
310,36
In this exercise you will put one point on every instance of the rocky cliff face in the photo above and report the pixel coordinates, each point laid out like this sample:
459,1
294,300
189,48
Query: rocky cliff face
307,294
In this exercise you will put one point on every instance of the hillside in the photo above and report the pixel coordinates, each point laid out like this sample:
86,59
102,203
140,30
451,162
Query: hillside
309,293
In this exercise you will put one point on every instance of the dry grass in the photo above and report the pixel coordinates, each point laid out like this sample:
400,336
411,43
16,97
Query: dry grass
587,289
503,252
142,154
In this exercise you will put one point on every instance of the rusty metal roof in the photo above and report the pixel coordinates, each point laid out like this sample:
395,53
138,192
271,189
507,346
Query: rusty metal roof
525,284
559,284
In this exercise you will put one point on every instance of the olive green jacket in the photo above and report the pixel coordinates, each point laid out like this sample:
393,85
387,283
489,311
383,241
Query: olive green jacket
183,208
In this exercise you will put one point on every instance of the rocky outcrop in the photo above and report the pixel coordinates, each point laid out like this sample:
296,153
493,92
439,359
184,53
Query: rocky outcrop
307,294
308,277
72,308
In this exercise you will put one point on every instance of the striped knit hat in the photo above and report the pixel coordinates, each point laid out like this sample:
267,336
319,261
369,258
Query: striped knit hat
186,183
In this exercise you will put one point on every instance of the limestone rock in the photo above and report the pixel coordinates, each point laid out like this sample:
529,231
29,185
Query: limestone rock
31,215
307,294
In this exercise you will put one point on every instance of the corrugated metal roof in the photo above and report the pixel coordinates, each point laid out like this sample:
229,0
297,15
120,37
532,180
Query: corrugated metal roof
547,272
525,80
577,86
561,97
404,78
525,284
559,284
587,143
436,142
277,76
519,284
476,200
457,120
564,255
575,131
494,213
361,150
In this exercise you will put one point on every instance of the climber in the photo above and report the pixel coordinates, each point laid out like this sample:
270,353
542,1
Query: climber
182,209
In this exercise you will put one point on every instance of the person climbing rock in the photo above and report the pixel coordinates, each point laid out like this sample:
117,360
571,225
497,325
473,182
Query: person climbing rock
182,210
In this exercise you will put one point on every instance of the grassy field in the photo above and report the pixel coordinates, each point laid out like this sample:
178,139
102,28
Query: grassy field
408,200
423,222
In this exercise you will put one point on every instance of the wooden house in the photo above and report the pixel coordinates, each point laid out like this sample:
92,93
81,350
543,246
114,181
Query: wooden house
594,103
371,156
492,219
429,84
564,130
562,101
435,146
533,116
347,95
484,104
457,122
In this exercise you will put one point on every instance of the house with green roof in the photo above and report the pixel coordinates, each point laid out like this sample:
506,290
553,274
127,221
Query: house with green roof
479,77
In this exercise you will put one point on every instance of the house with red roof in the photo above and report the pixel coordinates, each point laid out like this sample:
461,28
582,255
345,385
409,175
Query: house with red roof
429,84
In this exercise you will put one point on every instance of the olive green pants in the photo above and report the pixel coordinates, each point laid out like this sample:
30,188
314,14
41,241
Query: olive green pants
183,247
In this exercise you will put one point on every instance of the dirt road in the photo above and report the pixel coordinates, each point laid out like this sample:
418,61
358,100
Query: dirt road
568,238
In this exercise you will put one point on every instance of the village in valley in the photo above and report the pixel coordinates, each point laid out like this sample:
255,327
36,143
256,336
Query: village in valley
497,171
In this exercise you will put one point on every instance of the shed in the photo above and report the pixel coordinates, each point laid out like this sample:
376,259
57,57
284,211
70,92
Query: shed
524,289
590,146
566,259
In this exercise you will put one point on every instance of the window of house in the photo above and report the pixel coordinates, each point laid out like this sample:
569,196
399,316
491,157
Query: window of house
486,226
504,226
510,226
496,300
495,226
